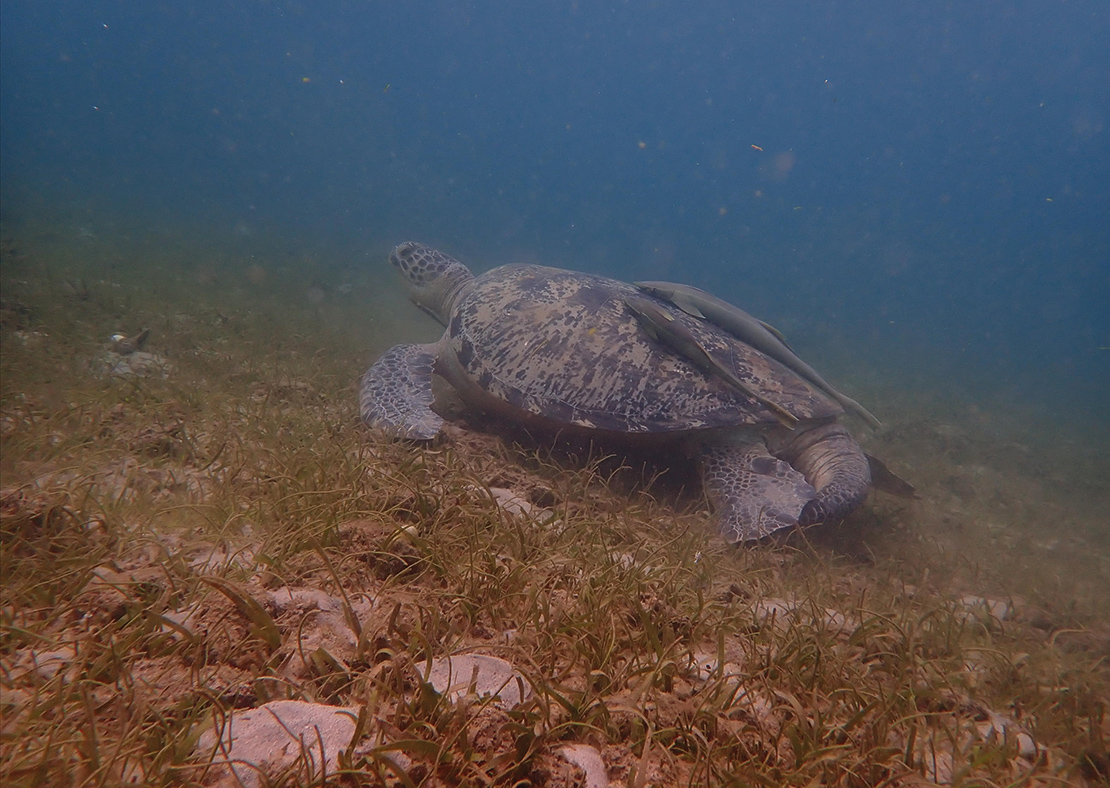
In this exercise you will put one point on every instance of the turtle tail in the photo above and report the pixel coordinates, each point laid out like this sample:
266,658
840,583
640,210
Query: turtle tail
832,461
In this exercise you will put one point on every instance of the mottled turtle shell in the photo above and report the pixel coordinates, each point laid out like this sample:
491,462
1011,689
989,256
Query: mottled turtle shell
565,347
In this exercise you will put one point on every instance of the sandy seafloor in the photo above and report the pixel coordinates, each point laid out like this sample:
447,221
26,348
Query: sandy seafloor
1013,499
1019,496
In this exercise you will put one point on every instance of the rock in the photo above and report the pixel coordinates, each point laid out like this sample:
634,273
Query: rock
137,364
214,559
482,675
707,664
322,624
994,608
998,729
48,664
255,744
780,612
588,760
511,501
942,760
304,599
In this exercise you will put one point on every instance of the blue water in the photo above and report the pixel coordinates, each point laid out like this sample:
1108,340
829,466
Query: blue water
921,188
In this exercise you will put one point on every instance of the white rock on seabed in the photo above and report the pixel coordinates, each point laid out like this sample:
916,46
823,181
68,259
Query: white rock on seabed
247,747
213,559
588,759
48,664
998,729
139,364
707,664
998,609
323,623
780,612
940,758
511,501
482,675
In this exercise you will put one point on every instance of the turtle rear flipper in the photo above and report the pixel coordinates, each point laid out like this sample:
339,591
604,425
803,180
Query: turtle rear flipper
754,492
395,394
835,465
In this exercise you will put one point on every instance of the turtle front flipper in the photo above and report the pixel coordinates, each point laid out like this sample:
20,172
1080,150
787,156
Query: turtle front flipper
755,493
395,394
835,465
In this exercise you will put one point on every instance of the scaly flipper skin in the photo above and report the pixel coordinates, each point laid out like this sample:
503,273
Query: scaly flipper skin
754,493
395,394
835,465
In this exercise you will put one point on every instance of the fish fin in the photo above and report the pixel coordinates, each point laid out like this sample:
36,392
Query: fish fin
697,354
784,417
850,404
686,305
776,333
666,291
642,318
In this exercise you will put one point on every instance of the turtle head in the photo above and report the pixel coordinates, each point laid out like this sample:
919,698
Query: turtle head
434,279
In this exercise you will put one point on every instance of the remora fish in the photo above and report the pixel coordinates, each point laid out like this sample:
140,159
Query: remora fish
664,328
750,330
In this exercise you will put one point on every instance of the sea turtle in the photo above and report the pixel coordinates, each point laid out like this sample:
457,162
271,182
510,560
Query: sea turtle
569,351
